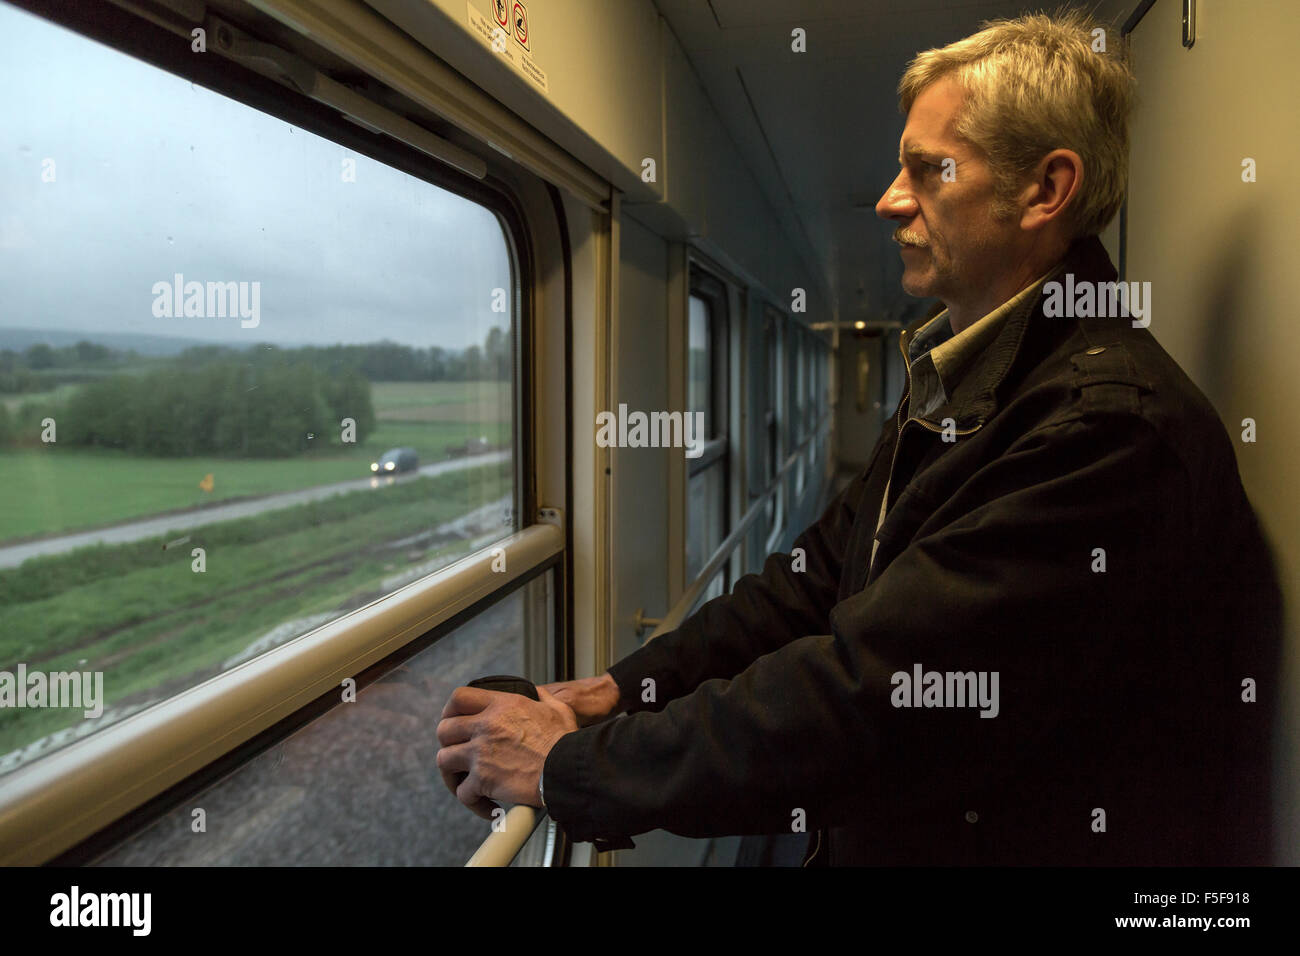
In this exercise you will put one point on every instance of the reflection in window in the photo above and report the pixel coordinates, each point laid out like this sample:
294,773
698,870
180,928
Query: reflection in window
799,415
705,390
699,380
770,394
706,518
250,380
358,786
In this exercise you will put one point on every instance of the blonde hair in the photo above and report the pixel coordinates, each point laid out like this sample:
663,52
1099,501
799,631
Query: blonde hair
1035,84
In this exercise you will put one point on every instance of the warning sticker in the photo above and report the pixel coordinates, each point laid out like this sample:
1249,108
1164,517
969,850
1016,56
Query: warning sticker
509,19
519,14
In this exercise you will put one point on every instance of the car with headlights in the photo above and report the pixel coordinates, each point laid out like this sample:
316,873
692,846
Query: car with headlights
395,461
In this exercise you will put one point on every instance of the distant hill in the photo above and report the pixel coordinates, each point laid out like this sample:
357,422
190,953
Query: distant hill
20,339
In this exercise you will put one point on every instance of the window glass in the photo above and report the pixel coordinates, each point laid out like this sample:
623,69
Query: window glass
798,352
810,388
699,380
706,517
707,487
795,361
815,356
771,418
358,786
250,381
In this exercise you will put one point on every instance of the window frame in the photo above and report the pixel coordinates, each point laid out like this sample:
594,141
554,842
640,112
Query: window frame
714,291
774,325
127,766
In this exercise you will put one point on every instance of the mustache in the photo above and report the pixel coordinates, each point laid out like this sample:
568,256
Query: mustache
906,238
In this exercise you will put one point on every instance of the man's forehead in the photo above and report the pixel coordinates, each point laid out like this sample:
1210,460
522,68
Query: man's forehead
932,120
929,149
917,148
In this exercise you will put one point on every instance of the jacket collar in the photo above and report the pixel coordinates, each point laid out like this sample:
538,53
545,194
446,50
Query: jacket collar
974,399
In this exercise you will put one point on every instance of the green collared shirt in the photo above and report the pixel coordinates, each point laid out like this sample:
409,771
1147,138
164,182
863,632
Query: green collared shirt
937,360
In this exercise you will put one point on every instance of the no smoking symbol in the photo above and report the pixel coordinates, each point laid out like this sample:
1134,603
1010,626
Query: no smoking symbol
520,15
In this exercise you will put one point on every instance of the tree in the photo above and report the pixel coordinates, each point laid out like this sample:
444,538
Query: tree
496,354
39,356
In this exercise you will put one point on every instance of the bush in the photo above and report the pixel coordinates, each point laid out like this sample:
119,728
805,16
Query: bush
258,410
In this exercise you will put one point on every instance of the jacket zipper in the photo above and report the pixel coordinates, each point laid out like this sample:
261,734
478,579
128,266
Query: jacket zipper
816,849
902,424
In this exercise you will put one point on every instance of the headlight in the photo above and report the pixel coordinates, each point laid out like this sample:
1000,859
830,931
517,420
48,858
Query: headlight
374,466
389,466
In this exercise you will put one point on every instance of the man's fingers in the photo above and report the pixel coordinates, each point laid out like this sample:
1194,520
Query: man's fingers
456,757
456,765
467,700
468,794
454,730
453,764
452,779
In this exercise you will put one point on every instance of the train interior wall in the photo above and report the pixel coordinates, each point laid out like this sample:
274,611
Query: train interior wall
1211,226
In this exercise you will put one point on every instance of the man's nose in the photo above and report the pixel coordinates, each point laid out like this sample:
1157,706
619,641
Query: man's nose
897,202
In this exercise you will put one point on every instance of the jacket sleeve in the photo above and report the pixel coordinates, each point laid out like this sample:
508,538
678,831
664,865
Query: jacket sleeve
1002,578
763,612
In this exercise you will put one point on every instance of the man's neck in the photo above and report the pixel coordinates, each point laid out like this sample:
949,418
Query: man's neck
963,315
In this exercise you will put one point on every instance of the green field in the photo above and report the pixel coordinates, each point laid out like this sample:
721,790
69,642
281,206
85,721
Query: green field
140,613
55,395
153,626
52,489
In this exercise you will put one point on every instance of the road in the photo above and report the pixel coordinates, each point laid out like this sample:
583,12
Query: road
14,555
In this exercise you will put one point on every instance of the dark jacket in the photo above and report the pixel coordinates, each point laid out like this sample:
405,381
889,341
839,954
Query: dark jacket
1122,736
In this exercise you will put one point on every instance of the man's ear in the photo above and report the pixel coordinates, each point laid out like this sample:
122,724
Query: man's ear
1054,186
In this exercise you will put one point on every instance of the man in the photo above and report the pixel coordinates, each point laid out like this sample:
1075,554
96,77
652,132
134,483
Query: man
1041,627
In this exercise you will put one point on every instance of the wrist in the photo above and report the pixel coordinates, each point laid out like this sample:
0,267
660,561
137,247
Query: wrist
611,695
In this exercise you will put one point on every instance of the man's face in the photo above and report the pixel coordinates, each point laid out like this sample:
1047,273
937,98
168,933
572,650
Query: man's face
952,246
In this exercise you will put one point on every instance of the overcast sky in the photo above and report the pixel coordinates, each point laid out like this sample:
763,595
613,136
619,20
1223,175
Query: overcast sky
155,176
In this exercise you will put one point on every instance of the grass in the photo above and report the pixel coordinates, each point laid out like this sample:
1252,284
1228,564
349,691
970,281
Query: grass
56,489
56,395
141,614
154,626
405,395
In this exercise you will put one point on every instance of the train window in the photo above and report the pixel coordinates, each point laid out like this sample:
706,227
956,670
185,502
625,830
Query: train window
821,369
771,415
814,382
706,393
816,364
358,786
814,409
800,411
250,381
699,382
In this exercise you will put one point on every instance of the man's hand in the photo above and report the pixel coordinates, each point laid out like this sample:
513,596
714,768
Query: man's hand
591,698
494,745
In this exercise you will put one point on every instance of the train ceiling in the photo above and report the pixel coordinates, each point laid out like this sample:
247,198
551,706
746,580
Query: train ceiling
820,129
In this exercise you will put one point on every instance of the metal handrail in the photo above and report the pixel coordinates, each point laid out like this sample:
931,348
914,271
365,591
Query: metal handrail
686,603
501,847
